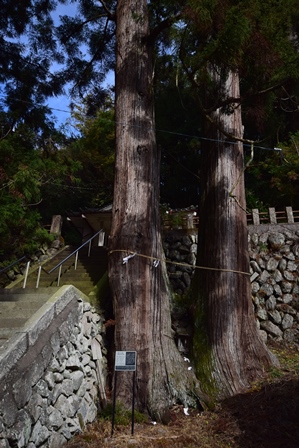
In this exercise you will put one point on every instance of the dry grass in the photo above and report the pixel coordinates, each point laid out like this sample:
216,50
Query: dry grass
267,416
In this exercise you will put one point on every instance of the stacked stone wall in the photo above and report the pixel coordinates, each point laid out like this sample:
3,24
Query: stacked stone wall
274,268
42,255
50,374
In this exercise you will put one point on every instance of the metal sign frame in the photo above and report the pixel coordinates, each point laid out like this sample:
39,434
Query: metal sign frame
125,361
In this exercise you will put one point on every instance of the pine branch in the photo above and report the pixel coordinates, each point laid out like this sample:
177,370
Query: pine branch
165,24
111,15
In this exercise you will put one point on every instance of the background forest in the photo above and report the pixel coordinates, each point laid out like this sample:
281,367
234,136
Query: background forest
46,170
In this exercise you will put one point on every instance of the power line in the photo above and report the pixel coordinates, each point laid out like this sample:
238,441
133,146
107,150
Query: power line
198,137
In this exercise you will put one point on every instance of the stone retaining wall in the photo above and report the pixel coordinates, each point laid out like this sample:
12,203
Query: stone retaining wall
274,268
42,255
50,374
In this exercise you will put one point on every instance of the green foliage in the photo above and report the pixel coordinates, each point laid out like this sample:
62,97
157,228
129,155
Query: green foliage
274,176
275,373
123,416
94,150
259,39
31,175
25,67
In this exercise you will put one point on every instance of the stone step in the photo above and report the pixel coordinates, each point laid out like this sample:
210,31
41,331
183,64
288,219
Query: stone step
17,306
89,269
66,279
12,322
21,308
28,294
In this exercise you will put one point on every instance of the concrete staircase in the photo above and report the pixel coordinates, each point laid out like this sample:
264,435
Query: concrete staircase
89,270
17,305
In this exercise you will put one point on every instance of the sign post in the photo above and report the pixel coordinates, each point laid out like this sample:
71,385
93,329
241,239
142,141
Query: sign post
124,362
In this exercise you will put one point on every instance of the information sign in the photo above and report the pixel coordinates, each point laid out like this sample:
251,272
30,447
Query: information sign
125,361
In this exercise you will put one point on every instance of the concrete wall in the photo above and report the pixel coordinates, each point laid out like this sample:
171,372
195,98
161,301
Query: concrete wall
50,374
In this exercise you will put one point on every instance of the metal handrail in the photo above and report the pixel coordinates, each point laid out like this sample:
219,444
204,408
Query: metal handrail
12,264
16,262
75,252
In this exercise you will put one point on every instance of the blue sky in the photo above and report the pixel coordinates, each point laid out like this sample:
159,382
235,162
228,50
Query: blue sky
60,104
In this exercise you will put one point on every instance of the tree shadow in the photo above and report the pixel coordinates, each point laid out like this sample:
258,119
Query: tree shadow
268,418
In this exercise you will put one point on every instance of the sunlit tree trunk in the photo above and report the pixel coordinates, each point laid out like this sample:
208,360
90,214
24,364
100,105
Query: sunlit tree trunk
227,348
140,289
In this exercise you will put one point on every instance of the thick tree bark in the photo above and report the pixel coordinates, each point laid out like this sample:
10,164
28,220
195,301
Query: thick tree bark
140,290
227,348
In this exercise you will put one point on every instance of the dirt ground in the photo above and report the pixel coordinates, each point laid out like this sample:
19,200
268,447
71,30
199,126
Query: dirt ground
267,416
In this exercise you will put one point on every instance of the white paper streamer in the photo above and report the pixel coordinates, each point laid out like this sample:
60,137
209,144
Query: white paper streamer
126,259
186,411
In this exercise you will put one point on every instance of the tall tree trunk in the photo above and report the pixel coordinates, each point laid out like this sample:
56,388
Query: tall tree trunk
140,290
227,348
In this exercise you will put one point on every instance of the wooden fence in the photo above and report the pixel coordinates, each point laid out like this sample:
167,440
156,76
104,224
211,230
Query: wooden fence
288,215
189,219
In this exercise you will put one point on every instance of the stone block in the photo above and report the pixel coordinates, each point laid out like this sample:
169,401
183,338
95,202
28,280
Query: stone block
271,303
39,322
55,343
272,329
8,409
22,389
35,405
277,290
263,335
56,225
290,335
39,434
255,266
287,322
12,352
276,240
77,378
57,391
42,389
73,425
262,314
74,363
55,420
287,298
275,316
56,440
282,265
74,404
63,406
255,287
38,368
65,332
20,432
286,287
272,264
266,290
63,297
58,377
277,276
264,276
289,276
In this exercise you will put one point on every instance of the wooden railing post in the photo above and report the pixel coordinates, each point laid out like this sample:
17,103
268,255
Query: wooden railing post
290,216
272,215
255,216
